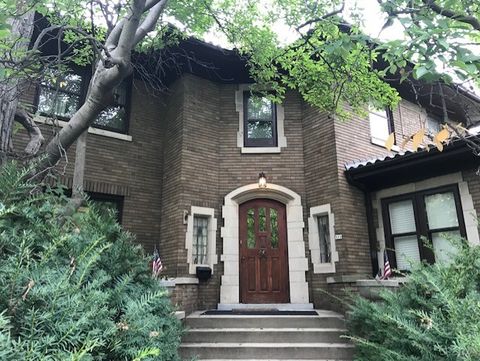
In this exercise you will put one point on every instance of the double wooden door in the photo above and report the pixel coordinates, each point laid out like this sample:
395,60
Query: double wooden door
263,252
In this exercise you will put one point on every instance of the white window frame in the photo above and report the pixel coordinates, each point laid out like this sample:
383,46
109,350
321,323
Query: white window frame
280,112
212,257
376,140
314,239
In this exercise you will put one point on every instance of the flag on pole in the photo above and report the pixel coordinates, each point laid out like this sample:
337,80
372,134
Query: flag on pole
156,264
387,271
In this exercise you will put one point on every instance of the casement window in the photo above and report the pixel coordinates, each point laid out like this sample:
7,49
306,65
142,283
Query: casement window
260,123
200,238
433,214
114,117
321,237
62,95
381,124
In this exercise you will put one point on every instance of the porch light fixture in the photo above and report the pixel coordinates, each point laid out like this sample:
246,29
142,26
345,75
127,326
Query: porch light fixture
262,180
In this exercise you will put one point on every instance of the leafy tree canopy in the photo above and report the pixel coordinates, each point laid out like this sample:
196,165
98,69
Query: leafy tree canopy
331,63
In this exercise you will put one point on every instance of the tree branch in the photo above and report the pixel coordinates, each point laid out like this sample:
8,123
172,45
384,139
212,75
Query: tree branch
321,18
150,21
34,132
467,19
112,39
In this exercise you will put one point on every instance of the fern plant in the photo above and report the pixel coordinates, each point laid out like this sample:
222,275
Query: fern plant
76,289
434,316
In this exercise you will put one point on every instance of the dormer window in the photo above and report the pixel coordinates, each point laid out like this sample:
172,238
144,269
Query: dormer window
260,123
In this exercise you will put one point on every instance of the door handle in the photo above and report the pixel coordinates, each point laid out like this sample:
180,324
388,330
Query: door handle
243,259
262,253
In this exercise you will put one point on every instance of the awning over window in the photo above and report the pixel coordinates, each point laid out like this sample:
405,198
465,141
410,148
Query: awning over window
406,167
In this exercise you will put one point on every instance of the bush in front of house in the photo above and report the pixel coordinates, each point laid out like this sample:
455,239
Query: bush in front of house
75,287
434,316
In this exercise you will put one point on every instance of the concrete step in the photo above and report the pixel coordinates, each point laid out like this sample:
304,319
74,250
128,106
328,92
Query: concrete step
257,335
322,320
267,351
248,337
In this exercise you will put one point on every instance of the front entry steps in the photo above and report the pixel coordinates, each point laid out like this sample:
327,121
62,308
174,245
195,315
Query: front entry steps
266,337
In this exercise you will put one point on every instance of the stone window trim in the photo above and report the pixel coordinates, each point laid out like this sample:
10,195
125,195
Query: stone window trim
468,211
314,239
280,112
212,257
91,130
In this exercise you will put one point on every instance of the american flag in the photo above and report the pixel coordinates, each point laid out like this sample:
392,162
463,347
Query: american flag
156,264
387,271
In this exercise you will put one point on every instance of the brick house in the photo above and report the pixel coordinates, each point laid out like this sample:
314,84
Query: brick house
183,169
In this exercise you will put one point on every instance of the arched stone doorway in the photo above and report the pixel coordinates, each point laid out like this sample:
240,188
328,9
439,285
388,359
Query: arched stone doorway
297,262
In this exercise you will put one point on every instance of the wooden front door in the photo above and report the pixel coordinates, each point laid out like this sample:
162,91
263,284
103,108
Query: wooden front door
263,252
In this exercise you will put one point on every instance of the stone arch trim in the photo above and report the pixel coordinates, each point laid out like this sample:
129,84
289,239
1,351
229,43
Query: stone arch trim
297,261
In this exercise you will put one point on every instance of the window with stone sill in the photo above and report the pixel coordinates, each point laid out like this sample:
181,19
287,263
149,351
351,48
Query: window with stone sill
381,124
321,236
260,123
61,95
434,215
200,240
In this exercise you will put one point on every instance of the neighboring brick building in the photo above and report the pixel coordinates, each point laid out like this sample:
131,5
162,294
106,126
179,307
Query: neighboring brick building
185,173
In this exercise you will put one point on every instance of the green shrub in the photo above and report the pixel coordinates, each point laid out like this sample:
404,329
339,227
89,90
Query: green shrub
434,316
75,288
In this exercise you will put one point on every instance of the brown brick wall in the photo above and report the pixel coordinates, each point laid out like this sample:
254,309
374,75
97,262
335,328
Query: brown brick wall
133,169
236,169
184,152
473,181
186,298
171,226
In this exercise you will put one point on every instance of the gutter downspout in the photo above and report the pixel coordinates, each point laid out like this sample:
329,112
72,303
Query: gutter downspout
372,235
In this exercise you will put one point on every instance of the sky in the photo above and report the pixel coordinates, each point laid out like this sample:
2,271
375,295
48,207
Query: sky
374,20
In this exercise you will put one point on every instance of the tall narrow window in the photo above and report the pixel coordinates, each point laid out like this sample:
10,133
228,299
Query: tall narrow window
321,239
200,239
60,95
260,128
324,238
381,124
442,223
404,233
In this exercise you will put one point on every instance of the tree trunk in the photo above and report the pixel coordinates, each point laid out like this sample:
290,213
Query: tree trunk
79,171
22,28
